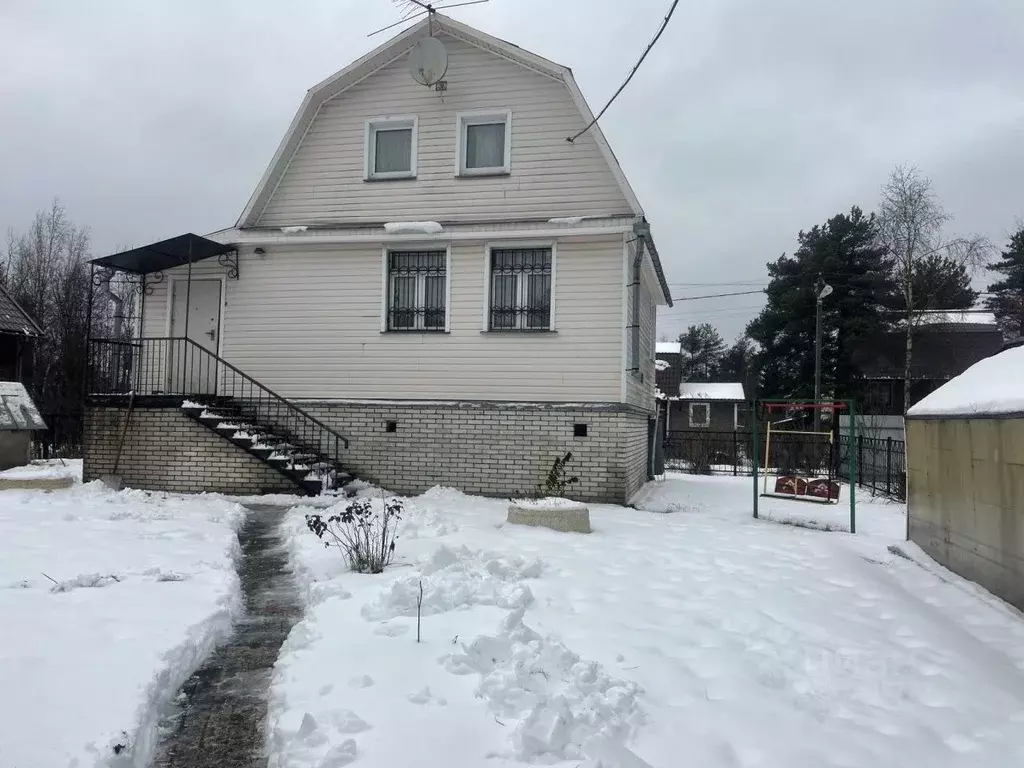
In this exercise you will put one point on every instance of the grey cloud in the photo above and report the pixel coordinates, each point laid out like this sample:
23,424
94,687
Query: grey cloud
751,120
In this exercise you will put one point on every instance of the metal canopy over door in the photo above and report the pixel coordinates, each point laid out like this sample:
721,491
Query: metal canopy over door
200,322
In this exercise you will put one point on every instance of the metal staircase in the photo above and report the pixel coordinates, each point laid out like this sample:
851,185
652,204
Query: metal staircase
224,399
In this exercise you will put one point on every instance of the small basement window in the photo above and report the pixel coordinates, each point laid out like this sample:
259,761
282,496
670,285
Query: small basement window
579,430
700,414
391,148
391,426
485,143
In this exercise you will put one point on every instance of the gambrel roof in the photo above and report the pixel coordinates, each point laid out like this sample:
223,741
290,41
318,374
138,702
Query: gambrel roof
395,48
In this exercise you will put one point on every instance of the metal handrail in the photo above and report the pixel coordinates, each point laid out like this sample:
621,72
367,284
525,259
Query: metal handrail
127,374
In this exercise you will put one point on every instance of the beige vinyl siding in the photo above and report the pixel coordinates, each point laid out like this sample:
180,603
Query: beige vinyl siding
549,176
307,323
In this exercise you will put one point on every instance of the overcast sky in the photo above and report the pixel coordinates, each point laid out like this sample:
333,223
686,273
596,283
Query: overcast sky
751,120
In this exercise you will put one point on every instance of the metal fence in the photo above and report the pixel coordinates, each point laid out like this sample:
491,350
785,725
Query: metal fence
881,462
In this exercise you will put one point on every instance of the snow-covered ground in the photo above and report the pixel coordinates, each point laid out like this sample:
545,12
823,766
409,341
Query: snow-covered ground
108,601
695,637
47,469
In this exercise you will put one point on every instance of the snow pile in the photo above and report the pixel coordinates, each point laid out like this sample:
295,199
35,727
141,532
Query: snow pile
454,578
413,227
560,700
990,386
293,230
120,597
662,365
569,220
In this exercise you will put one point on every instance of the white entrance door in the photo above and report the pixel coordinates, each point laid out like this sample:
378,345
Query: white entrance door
192,371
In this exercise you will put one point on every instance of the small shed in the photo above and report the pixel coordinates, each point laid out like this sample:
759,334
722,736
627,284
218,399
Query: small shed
19,418
965,474
711,406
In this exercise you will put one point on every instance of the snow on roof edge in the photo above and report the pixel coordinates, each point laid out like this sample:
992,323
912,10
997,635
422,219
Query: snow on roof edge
990,387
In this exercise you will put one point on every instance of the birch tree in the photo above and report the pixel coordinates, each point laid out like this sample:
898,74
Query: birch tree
911,225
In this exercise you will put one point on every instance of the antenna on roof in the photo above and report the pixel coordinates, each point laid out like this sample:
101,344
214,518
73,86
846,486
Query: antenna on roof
415,9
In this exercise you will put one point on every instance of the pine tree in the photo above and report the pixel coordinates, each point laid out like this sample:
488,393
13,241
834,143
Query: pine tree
702,350
941,283
740,363
844,252
1006,298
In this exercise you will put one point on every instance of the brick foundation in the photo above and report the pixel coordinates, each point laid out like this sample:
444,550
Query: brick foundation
164,450
492,449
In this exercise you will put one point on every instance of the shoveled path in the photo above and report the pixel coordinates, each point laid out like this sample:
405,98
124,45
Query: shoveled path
221,711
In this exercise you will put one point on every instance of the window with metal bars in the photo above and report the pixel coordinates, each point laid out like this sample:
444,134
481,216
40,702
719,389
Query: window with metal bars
520,289
417,290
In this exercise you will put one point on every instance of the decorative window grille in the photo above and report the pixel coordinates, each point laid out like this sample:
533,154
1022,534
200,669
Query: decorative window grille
417,290
520,289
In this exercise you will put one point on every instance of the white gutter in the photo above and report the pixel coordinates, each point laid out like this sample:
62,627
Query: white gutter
254,238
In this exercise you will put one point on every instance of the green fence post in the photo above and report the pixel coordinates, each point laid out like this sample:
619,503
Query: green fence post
754,447
853,485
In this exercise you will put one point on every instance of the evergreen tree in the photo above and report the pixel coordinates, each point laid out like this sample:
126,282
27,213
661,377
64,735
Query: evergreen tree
1007,294
740,363
844,253
702,350
940,283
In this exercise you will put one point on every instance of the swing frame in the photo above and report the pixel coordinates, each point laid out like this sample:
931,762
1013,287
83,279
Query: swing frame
785,404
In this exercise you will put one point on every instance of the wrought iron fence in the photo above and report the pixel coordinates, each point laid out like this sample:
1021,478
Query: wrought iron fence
181,368
881,462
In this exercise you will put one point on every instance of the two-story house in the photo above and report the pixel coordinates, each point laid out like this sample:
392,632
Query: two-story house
429,285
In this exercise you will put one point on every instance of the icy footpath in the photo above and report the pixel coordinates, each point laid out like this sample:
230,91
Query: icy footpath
352,684
138,588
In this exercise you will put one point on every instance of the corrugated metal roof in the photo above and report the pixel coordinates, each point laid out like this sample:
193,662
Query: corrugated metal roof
17,411
14,319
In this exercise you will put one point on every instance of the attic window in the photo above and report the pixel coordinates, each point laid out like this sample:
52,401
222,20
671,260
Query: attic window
485,143
391,148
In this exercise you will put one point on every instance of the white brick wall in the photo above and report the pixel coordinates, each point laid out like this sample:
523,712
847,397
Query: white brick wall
165,450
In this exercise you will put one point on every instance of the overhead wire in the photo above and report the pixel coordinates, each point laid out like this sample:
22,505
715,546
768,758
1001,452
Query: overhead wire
629,77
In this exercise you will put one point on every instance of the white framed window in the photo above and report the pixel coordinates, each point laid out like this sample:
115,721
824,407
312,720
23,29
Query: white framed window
700,414
484,143
521,288
416,290
391,148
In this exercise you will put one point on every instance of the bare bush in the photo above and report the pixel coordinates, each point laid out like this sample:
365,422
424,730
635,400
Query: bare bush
366,536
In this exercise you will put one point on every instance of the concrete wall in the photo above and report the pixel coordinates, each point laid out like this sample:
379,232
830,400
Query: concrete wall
167,451
966,498
492,449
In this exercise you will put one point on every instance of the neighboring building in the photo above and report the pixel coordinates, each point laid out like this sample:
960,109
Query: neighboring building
965,474
945,344
711,406
19,420
17,330
434,274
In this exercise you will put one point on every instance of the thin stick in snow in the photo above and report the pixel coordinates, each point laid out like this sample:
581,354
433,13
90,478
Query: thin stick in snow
51,579
419,605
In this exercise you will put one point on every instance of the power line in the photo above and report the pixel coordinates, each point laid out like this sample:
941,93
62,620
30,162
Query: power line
631,73
716,295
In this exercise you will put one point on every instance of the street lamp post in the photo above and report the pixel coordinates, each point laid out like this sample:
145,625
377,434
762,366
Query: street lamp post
822,289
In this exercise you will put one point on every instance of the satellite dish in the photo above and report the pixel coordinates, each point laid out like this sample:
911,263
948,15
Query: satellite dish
428,61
